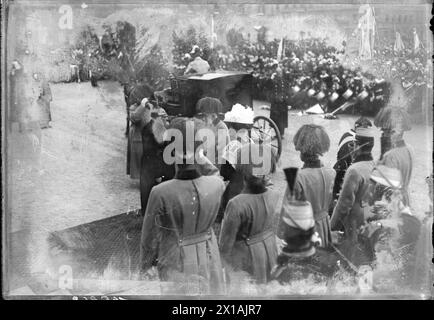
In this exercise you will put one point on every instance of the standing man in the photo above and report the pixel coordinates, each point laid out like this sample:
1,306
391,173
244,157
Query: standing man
344,157
198,65
349,210
44,100
177,233
279,100
209,110
401,158
247,240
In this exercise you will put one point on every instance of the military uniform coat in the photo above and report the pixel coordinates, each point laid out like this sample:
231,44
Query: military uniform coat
315,184
198,65
401,158
354,197
344,160
280,96
177,234
247,241
152,162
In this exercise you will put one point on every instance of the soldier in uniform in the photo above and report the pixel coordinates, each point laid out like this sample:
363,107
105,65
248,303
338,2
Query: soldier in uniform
314,182
247,240
198,65
344,157
401,158
280,96
177,234
355,193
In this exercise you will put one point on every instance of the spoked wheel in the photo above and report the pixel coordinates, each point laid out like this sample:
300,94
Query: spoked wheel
264,130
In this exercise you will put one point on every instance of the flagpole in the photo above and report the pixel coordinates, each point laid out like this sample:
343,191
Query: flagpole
212,30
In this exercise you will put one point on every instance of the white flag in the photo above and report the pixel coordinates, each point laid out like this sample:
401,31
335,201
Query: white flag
399,45
416,42
280,50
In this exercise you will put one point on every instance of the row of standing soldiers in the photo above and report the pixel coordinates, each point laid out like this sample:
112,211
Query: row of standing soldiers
330,92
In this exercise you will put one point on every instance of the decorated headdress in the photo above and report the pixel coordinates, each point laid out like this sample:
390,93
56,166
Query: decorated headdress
311,139
392,117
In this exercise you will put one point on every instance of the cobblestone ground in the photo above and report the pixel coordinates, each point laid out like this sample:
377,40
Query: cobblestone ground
74,172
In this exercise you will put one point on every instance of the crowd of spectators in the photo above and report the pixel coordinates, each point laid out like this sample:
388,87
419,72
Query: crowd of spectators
311,64
312,69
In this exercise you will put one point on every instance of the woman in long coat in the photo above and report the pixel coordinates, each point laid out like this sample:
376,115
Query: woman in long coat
137,112
153,168
177,233
314,182
247,239
134,94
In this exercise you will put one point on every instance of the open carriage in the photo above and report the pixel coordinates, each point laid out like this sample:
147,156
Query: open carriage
230,87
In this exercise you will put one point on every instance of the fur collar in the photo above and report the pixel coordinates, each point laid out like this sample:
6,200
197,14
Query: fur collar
187,174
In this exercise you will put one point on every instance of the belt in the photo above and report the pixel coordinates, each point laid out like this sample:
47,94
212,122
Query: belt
195,238
259,237
320,215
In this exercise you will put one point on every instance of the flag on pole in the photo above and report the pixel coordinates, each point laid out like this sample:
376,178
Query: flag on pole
367,30
416,46
280,50
399,45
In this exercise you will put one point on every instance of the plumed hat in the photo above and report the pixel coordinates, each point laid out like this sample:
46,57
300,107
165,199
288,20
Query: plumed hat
392,117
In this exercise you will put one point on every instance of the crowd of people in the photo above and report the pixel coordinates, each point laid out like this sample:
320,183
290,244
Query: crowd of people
30,98
312,71
195,232
316,73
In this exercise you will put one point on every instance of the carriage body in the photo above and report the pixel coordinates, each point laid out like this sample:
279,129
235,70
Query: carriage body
230,87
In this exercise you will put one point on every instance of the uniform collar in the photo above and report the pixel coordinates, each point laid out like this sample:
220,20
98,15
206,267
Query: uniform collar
315,163
216,121
400,144
187,174
363,157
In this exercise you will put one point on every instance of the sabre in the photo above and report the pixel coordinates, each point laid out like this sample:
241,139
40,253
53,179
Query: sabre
342,107
352,266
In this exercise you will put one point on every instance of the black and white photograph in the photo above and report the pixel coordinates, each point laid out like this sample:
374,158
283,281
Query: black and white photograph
214,149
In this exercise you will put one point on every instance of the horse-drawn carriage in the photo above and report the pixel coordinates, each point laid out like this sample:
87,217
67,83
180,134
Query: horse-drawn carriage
230,87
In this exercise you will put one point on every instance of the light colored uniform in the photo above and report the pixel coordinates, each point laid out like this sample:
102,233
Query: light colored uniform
198,65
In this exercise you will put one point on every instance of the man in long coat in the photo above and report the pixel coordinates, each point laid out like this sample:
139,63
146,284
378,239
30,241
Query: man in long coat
401,158
134,94
177,232
344,156
247,239
44,101
280,95
354,196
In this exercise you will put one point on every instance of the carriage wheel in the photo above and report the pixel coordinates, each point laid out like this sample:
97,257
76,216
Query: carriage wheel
264,130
